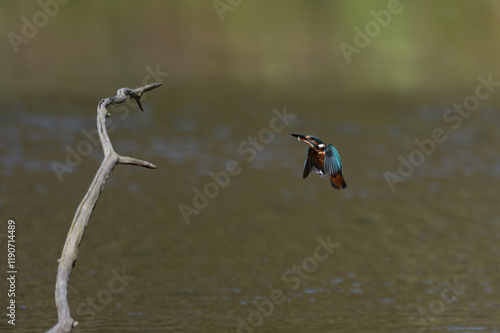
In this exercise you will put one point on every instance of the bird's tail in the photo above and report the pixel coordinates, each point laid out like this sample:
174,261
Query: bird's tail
337,181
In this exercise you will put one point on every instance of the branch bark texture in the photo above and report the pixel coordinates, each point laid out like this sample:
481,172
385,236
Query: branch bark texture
84,212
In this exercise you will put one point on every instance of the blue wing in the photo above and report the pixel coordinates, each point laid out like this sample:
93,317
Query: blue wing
332,164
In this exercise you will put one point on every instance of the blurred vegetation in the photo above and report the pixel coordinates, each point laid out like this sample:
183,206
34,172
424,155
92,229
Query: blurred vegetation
430,46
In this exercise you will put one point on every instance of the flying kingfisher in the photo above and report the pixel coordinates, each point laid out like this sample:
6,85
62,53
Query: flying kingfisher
323,159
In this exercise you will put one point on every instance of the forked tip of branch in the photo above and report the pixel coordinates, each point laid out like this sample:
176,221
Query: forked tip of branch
136,94
152,86
138,100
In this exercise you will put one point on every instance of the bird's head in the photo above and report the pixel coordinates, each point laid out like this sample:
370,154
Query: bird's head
312,141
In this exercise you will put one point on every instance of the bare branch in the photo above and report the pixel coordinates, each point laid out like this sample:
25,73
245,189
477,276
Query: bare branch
84,211
135,161
121,95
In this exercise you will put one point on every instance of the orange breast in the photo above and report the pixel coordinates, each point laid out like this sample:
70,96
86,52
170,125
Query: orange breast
318,158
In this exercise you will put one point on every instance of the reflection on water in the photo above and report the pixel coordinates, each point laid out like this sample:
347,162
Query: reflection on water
398,249
23,132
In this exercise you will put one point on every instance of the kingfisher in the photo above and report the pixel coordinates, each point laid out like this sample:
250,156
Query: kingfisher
323,159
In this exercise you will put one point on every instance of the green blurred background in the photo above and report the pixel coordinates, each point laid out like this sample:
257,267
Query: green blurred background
284,44
225,65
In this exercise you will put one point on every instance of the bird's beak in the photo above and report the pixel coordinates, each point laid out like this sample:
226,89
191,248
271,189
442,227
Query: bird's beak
306,139
300,137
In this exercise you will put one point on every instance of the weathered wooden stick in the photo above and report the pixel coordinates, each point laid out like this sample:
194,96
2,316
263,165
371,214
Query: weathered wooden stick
86,207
